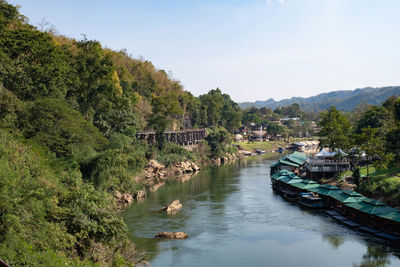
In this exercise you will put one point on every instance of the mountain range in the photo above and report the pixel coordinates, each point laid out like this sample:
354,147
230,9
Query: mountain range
345,100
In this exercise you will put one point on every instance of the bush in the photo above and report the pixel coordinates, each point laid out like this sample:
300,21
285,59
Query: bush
357,176
50,216
115,167
56,125
172,153
219,141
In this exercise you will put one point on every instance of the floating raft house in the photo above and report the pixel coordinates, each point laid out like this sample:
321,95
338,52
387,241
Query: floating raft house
351,204
291,162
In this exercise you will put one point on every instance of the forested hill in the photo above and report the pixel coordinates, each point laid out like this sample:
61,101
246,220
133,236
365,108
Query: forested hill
69,113
346,100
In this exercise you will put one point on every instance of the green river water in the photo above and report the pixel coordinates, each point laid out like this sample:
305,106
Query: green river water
233,218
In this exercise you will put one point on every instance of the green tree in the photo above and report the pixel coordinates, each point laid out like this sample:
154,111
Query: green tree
374,146
218,140
374,117
249,118
335,129
56,125
357,176
31,65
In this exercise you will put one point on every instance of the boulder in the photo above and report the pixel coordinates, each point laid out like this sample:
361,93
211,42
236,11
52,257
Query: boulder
148,174
172,235
140,194
195,168
162,174
178,171
118,195
126,198
173,206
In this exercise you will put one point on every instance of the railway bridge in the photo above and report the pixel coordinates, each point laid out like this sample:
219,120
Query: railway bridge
181,137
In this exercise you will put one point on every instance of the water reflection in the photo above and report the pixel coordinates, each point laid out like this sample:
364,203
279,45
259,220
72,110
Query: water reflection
374,257
234,219
334,240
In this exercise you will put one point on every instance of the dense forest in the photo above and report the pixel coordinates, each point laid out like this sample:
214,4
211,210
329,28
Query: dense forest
69,114
69,111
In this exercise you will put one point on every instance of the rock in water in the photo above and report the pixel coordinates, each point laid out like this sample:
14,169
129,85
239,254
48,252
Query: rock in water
171,235
139,194
173,206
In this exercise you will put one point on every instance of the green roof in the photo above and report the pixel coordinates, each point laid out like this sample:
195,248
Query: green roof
299,155
295,180
325,189
306,184
368,206
286,162
294,159
394,216
281,173
347,196
329,187
374,202
276,164
289,179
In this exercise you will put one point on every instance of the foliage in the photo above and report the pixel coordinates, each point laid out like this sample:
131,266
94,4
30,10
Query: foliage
384,184
375,117
49,216
335,129
115,167
219,141
69,112
31,65
53,123
357,176
172,153
220,110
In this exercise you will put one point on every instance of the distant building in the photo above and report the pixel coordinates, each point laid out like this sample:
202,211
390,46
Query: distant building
327,164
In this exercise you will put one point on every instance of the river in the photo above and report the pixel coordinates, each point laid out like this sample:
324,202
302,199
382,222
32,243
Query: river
233,218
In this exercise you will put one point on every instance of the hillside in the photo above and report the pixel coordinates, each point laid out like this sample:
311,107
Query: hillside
69,113
345,100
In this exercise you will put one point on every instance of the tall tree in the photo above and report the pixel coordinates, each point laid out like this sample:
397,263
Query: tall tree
335,129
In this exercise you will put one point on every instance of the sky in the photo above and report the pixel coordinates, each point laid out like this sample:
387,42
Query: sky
250,49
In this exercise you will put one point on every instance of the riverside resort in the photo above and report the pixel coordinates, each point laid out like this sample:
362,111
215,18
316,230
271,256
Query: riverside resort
191,133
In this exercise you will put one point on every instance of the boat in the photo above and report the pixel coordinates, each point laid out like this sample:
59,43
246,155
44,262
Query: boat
289,195
260,152
311,201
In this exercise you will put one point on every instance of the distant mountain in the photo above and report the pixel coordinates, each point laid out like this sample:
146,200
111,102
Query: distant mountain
343,100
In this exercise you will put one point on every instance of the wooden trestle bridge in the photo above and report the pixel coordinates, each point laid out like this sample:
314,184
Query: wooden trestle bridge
181,137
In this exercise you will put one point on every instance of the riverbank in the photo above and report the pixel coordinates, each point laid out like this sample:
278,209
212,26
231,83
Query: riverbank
383,184
233,218
155,174
270,146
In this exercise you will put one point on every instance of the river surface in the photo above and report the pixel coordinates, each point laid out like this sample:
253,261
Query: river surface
233,218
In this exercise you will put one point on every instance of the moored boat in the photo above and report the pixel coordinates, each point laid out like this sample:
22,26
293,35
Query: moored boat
289,195
311,201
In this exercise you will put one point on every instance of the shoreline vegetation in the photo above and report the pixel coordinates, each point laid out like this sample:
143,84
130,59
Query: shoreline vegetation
69,113
70,158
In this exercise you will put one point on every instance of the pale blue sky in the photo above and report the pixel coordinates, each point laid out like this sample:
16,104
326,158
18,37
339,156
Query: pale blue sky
251,49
